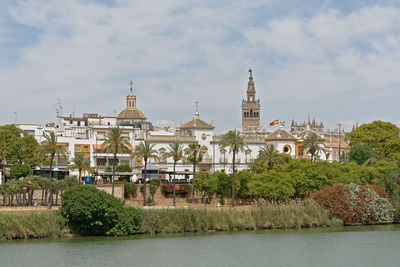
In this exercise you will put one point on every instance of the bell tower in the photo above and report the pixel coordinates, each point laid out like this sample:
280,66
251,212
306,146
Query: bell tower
131,99
250,108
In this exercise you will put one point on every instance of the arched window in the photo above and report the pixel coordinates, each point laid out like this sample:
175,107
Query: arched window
163,156
251,113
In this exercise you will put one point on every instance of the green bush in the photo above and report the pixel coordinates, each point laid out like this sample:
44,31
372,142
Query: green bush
20,170
90,211
123,168
130,190
274,185
108,169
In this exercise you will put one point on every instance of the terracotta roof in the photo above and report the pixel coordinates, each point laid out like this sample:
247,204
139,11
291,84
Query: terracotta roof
131,114
280,134
197,124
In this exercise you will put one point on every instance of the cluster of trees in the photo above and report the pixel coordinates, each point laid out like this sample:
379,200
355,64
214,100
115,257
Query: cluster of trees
373,159
293,178
21,192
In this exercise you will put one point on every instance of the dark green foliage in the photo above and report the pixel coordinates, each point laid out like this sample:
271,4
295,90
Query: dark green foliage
20,170
224,182
108,169
123,168
129,190
243,177
128,223
90,211
360,153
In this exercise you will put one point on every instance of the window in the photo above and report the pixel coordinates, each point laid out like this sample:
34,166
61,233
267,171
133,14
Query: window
222,158
101,162
162,153
79,123
78,149
248,155
287,149
251,113
111,162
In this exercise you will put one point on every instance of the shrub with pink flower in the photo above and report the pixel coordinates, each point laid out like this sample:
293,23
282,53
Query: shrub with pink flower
356,204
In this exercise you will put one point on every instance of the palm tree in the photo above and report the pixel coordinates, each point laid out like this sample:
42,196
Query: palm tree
311,144
80,164
270,155
145,151
236,144
194,155
51,148
175,151
115,142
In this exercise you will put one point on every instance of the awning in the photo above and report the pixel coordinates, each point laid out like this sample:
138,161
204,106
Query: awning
97,147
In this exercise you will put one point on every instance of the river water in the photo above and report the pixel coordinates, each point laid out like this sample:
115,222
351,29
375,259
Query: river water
344,246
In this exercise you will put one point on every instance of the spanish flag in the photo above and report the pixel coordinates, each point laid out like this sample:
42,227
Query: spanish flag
275,122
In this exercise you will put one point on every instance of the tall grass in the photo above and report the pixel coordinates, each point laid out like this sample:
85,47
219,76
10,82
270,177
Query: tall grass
263,215
32,225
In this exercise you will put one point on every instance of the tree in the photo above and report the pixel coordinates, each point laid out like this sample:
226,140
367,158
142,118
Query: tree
382,137
194,156
274,185
236,144
270,156
311,144
206,184
175,151
19,147
81,164
360,153
224,185
20,170
115,142
146,151
51,148
27,151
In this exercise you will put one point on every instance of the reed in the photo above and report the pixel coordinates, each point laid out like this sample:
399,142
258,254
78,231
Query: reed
262,215
46,224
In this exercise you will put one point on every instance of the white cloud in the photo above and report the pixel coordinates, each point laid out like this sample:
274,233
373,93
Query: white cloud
333,65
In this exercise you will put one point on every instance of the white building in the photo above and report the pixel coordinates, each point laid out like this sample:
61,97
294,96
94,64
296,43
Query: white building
86,134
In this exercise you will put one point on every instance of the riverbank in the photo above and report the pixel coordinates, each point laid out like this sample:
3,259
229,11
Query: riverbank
293,214
40,224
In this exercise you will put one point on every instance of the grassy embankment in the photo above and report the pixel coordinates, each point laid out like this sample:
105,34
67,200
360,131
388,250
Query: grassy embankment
293,214
42,224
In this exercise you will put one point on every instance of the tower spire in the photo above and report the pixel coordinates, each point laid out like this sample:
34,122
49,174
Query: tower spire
196,114
131,99
131,91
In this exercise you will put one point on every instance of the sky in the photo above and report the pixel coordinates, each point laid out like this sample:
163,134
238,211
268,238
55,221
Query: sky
335,61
